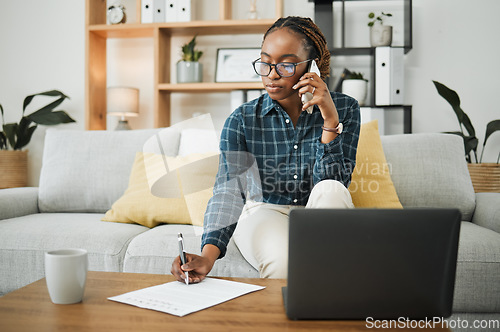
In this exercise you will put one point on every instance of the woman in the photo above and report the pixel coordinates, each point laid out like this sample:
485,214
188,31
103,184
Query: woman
275,156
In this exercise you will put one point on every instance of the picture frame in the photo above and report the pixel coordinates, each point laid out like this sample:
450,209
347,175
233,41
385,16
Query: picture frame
234,65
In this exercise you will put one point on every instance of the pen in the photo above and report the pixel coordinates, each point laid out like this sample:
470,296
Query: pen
182,253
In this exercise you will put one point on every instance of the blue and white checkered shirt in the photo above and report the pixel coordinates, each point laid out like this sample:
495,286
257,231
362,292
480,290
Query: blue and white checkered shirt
265,158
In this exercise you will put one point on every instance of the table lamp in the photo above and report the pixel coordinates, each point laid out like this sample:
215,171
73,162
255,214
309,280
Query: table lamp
123,102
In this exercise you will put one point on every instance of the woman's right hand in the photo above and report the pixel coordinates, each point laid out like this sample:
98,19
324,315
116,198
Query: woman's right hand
197,266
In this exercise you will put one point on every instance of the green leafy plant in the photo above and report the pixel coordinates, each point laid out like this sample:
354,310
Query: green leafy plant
352,75
15,136
470,140
379,18
189,53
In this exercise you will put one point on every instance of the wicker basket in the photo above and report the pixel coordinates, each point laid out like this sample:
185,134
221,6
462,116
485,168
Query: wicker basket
485,177
13,169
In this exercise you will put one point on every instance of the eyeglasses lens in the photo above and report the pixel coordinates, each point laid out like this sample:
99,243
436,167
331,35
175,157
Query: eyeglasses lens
285,69
262,68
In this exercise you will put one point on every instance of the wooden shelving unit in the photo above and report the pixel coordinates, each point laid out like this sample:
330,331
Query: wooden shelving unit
97,32
209,87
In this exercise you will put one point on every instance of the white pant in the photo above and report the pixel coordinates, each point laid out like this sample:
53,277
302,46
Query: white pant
262,230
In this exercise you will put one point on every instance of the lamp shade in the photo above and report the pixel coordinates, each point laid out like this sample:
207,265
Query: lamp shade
123,101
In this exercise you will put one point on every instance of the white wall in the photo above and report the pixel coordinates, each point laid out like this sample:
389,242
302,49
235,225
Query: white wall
456,43
43,48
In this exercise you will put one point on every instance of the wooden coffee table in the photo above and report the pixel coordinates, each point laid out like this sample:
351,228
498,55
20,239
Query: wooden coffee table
30,309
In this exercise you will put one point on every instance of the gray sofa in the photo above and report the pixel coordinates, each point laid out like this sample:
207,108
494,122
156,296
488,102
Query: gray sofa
84,172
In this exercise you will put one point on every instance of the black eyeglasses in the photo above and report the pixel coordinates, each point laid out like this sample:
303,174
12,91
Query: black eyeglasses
284,69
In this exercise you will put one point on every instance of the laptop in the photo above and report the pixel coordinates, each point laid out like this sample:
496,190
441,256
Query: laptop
379,263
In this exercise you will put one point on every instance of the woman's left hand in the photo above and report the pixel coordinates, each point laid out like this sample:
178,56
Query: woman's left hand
311,82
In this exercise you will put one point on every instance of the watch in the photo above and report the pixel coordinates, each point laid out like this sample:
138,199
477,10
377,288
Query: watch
116,14
337,129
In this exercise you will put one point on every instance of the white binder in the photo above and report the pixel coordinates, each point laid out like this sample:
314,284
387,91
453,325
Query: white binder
184,10
171,10
389,76
158,10
147,11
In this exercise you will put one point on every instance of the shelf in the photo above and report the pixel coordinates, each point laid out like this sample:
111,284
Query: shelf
209,87
123,30
355,0
353,51
356,50
407,114
221,27
386,106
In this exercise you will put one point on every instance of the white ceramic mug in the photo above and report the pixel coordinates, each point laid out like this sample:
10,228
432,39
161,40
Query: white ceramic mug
66,274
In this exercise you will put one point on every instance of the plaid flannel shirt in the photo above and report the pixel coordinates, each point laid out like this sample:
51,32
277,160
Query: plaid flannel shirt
265,158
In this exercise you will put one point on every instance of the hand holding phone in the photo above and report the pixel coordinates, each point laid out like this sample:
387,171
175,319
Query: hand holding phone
313,68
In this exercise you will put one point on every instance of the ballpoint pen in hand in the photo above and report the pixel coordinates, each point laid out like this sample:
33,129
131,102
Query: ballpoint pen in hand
182,254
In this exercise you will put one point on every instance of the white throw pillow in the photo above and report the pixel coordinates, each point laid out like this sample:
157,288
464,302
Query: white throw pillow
87,171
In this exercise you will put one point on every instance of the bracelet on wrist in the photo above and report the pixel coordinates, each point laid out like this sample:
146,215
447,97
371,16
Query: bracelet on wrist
336,130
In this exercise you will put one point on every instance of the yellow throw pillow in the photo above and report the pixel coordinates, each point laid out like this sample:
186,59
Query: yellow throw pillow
183,186
371,184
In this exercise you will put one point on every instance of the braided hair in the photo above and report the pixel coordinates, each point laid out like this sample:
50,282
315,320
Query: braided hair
314,40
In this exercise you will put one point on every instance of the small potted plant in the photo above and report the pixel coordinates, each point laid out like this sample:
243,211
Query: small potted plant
356,86
485,176
380,34
15,136
189,70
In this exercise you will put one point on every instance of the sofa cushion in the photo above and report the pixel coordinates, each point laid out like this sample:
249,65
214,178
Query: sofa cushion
86,171
371,184
429,170
477,285
487,212
17,202
181,187
155,250
24,240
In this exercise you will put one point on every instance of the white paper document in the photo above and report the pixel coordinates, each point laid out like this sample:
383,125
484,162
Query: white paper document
177,298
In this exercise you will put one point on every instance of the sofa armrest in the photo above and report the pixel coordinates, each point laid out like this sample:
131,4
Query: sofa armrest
487,213
17,202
